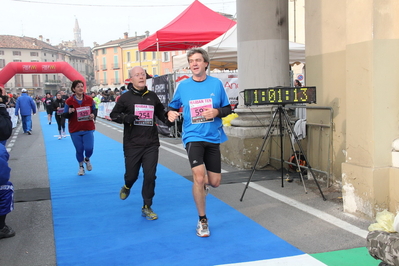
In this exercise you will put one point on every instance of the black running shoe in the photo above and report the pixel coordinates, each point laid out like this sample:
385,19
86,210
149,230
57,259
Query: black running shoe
6,232
124,193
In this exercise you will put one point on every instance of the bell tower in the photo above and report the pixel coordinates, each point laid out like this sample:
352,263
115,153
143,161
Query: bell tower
77,36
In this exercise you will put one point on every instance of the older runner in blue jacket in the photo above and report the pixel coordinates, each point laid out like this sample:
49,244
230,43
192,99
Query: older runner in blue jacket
26,106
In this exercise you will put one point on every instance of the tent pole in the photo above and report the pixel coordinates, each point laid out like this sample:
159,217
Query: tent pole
159,61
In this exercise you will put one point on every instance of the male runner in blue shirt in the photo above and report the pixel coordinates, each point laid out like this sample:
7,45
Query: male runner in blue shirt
204,103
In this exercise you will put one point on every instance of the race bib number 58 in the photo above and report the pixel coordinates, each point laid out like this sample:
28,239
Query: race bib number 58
196,109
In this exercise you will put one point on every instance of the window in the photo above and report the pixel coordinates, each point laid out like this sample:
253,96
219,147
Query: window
154,71
2,63
116,73
105,78
137,56
115,50
19,80
154,55
17,60
16,52
116,64
128,56
166,56
1,52
104,66
36,80
144,56
104,51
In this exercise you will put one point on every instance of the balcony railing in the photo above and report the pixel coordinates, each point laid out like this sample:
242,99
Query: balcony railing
103,67
24,85
115,66
52,82
115,81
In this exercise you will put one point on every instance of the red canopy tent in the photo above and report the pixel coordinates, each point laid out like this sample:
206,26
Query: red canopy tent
194,27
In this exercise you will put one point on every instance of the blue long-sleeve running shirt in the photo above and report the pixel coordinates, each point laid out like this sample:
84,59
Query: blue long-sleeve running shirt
194,97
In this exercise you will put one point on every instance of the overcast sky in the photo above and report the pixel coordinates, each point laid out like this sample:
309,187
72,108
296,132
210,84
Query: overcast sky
99,20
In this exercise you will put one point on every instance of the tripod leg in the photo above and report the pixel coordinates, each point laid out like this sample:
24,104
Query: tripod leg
260,153
281,144
291,132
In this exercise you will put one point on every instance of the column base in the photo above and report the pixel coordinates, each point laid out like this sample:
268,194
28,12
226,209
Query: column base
244,146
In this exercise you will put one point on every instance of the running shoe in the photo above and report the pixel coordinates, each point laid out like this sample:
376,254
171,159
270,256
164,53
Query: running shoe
59,137
81,170
89,167
203,228
148,213
29,133
63,135
124,192
6,232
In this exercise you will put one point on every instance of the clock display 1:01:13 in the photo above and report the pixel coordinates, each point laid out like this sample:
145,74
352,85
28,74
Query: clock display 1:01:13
280,95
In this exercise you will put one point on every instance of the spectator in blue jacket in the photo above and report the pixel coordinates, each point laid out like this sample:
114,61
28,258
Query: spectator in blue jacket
6,194
26,106
6,187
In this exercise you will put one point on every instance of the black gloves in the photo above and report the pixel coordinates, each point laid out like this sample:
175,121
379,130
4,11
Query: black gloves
129,119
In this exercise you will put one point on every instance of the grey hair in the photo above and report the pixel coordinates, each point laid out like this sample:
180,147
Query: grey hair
198,51
130,70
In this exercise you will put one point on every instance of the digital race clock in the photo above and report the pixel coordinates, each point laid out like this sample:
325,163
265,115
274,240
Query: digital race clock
280,95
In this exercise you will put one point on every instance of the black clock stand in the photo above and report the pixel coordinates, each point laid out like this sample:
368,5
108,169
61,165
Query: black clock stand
284,123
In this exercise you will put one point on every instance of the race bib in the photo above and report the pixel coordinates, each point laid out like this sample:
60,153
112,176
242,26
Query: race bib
60,111
145,114
83,113
196,109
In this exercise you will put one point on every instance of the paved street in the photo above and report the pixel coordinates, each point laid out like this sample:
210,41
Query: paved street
302,219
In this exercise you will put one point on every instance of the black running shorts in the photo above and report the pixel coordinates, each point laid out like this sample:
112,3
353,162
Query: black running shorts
207,153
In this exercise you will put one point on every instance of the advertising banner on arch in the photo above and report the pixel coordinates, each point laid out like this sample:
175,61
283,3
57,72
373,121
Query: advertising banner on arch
229,81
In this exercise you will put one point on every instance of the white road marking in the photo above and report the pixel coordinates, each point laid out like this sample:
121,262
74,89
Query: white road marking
300,260
315,212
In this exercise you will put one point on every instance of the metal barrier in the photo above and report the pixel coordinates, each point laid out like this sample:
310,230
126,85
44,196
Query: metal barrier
328,171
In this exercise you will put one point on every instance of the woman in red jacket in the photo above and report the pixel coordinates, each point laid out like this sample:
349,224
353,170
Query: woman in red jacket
79,110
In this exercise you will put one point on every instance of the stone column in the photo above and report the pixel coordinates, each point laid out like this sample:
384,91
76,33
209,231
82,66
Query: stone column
263,61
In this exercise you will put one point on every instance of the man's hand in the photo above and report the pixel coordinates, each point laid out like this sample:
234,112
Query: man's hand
210,113
129,119
173,115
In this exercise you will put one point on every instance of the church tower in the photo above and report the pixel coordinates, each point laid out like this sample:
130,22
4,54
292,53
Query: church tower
77,36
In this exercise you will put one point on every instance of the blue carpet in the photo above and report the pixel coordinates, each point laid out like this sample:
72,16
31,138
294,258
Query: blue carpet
92,226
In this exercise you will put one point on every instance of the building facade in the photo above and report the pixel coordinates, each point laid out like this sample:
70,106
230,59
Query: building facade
109,61
28,49
114,59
